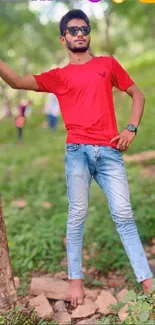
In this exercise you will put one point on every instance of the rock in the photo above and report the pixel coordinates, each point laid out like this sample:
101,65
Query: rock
88,321
115,283
87,309
104,300
61,275
94,244
123,313
86,257
152,265
92,294
51,287
147,248
48,275
62,317
20,203
91,271
110,274
60,306
42,306
103,280
64,262
46,204
17,282
111,290
152,250
122,294
65,242
41,161
148,254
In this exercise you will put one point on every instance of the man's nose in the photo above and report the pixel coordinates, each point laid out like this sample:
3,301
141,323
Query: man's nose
79,33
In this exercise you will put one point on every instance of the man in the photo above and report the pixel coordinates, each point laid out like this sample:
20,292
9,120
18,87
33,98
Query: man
24,110
93,149
52,110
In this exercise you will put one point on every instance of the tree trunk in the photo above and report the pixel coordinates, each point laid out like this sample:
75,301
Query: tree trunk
21,94
6,100
107,39
151,23
8,294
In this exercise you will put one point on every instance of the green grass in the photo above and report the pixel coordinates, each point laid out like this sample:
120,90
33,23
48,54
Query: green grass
34,171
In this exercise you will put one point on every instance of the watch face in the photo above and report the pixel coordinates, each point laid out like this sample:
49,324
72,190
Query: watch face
131,128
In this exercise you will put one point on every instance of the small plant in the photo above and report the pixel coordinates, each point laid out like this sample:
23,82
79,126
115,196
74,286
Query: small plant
42,322
19,317
141,309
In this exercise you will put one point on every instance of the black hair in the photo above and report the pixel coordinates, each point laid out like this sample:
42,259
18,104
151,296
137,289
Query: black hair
72,14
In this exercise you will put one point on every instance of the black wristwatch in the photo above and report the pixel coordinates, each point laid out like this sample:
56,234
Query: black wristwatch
131,128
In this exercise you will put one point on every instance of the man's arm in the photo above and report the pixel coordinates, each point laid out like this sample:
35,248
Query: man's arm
15,81
138,100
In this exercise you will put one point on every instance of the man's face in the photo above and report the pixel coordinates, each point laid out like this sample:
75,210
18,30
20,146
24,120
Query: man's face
78,43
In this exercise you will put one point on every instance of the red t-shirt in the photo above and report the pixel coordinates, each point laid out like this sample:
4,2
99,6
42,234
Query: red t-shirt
85,97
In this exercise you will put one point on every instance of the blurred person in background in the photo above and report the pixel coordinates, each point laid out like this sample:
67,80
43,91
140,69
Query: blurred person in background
24,111
24,108
52,111
20,123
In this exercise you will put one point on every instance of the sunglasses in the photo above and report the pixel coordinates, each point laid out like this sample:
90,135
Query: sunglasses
73,30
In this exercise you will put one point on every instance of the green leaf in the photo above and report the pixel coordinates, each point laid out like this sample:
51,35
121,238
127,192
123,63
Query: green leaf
120,304
131,296
137,306
140,297
143,315
146,306
2,320
150,322
106,321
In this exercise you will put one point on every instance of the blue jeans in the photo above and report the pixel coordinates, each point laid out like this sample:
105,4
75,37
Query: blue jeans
105,165
52,121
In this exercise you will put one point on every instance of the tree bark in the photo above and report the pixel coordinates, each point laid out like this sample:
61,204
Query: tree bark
21,94
6,100
8,294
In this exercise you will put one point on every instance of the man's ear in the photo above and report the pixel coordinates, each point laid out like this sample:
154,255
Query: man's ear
62,40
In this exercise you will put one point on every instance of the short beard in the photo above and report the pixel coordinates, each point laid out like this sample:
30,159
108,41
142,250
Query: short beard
77,49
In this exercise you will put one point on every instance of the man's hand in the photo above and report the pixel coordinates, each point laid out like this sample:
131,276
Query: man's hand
15,81
124,139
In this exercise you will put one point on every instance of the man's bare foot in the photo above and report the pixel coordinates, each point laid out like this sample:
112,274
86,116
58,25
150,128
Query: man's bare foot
147,285
76,292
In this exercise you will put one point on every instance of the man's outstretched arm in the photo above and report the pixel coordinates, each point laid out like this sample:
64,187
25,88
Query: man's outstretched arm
15,81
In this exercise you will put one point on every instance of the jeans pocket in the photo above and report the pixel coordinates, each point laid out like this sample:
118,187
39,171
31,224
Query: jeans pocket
116,150
72,147
117,153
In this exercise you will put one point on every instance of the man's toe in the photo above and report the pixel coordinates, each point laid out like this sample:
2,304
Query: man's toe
80,301
68,298
74,302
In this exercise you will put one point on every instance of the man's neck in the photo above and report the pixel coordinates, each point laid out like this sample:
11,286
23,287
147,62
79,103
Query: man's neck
79,58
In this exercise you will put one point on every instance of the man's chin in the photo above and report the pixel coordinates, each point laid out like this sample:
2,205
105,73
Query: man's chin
79,49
